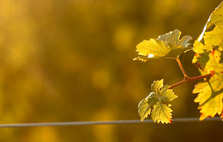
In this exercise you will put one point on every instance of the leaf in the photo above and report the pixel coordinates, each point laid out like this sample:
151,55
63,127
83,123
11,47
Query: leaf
210,96
208,57
145,106
208,47
161,112
168,45
152,48
216,16
157,103
214,37
201,48
210,93
214,19
209,62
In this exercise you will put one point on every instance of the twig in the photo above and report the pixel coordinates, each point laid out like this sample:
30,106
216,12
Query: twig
182,69
187,78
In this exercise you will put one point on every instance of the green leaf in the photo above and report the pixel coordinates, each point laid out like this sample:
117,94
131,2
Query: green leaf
157,103
168,45
208,57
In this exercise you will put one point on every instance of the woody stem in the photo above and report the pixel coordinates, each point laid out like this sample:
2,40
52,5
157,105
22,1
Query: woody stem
187,78
182,69
191,79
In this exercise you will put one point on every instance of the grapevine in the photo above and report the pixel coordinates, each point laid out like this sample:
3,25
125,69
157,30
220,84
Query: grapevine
208,51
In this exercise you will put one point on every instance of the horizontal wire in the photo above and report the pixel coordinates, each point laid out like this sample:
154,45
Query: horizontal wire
81,123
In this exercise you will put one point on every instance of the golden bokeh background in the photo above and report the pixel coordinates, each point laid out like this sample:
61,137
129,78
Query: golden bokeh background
71,60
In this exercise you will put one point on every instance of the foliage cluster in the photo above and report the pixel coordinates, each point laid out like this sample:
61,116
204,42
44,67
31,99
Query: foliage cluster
208,49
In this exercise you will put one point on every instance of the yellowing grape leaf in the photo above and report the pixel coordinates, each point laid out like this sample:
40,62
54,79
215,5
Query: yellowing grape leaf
200,48
168,45
209,62
214,37
208,57
157,103
210,92
210,96
215,18
161,113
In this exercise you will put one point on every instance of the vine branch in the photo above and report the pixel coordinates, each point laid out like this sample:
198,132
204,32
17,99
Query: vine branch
181,68
187,78
190,79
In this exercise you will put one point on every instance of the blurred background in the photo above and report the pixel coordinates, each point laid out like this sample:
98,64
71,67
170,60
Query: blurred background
71,60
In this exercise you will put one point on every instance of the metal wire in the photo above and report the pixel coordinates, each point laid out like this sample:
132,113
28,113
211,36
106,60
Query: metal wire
81,123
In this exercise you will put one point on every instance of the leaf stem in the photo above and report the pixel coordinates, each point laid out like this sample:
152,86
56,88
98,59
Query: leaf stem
182,69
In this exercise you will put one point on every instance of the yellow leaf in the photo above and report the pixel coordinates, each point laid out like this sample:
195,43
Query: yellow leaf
161,113
208,57
157,102
210,95
168,45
